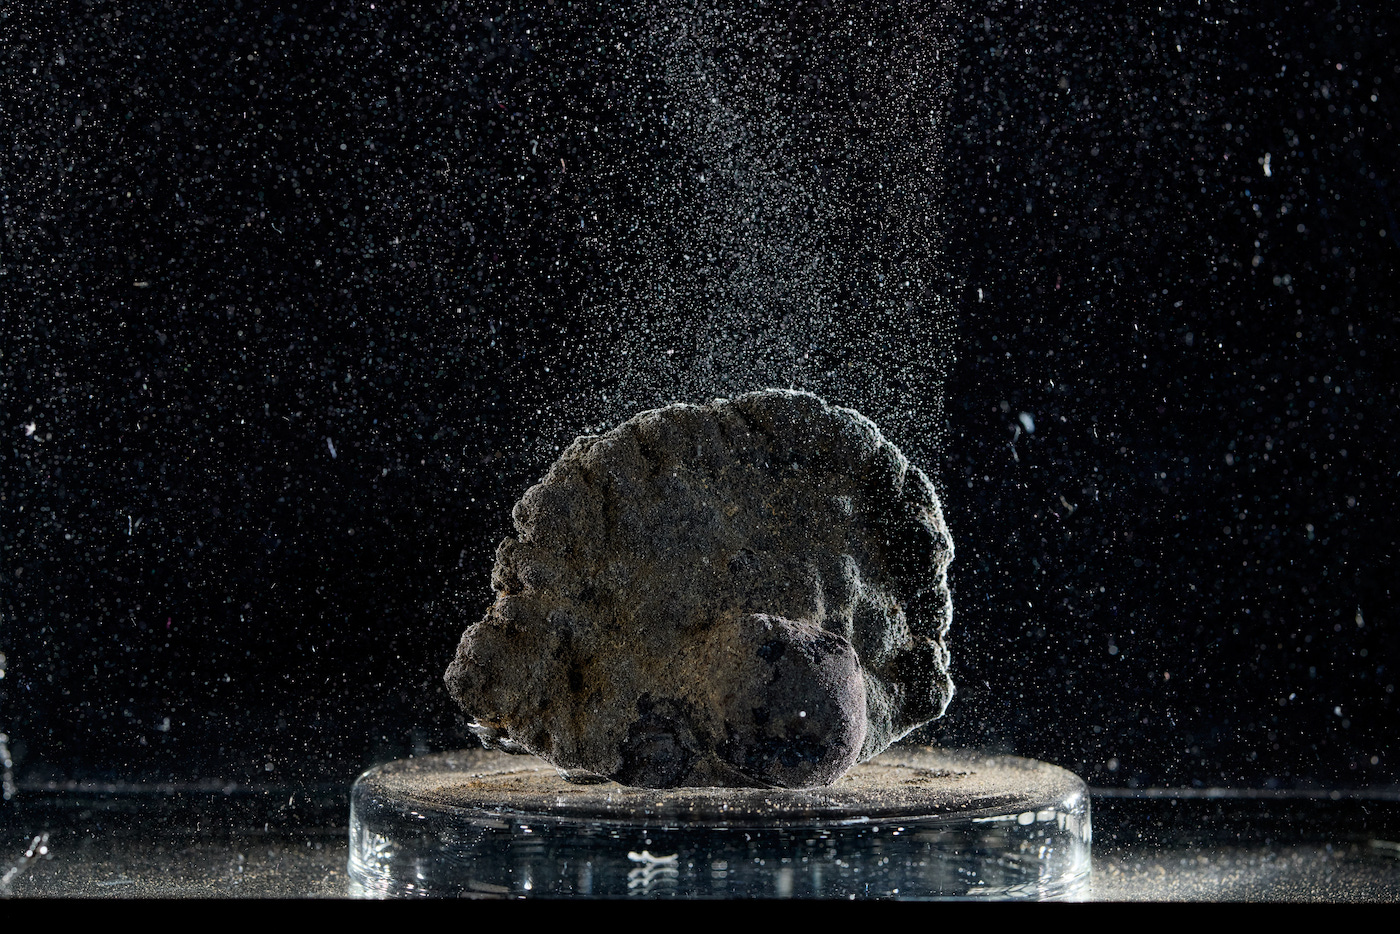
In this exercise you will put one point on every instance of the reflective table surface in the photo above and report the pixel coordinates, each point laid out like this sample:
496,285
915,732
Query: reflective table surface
115,841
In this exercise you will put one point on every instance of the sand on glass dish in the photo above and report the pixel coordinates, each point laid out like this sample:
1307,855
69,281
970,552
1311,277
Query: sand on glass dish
914,823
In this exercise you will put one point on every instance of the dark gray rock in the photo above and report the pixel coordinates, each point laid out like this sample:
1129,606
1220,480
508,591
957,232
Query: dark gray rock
750,592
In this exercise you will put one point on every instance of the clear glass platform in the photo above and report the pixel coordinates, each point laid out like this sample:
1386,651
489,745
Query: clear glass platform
912,823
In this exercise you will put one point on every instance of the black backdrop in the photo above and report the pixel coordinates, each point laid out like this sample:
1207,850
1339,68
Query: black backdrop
269,303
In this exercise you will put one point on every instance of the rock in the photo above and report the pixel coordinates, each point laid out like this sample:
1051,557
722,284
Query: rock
748,593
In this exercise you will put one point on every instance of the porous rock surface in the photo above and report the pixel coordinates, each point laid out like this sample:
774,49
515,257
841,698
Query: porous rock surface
751,592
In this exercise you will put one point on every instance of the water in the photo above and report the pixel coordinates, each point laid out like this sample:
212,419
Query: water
763,211
223,264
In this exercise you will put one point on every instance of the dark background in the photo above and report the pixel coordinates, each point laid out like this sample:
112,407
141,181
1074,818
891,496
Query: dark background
235,239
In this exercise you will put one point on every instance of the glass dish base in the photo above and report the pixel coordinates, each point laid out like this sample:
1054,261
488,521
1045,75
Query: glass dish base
913,823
